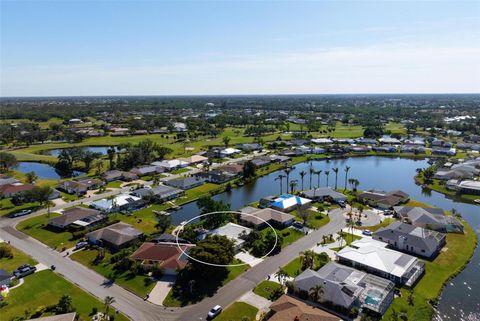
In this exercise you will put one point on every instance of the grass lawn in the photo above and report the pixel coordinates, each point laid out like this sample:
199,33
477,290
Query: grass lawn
386,222
172,300
139,284
35,227
114,184
238,311
289,235
196,192
45,288
315,219
181,170
68,197
448,263
19,258
7,208
144,219
294,268
266,289
349,237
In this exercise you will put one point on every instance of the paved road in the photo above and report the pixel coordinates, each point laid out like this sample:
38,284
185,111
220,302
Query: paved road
138,309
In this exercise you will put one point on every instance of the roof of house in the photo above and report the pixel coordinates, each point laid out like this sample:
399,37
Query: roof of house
323,192
59,317
10,188
185,182
194,159
417,237
117,234
374,254
232,231
8,180
287,201
259,216
233,168
167,255
162,191
71,215
169,238
287,308
423,215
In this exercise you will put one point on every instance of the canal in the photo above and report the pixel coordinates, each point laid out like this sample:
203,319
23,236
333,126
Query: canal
459,301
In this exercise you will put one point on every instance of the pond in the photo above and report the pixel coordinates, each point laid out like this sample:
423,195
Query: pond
95,149
383,173
43,171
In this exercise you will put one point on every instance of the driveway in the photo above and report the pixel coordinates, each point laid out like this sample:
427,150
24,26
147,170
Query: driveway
262,304
248,258
161,289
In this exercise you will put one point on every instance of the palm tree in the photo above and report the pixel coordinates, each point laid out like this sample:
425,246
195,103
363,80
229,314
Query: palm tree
339,239
316,292
280,178
293,184
226,140
307,259
347,169
335,170
312,171
318,173
281,275
287,172
327,173
108,301
31,177
302,175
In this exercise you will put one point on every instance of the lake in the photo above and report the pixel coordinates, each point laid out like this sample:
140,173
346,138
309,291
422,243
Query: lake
383,173
43,171
95,149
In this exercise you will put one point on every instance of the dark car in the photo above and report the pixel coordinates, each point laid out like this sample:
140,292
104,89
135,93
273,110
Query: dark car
24,270
297,225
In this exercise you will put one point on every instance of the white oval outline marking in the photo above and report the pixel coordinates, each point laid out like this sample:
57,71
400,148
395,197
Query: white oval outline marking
222,212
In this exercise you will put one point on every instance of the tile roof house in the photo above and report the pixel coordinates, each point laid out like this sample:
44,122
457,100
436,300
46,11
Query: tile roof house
324,193
115,236
78,216
412,239
429,218
185,183
195,159
383,200
256,217
81,186
287,308
235,169
9,190
287,202
168,256
346,287
374,257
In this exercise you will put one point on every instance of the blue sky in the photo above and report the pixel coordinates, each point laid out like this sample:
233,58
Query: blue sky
243,47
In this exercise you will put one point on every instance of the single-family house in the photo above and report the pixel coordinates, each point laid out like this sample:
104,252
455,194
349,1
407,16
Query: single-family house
59,317
167,256
258,217
382,199
195,159
81,186
115,236
347,288
116,175
324,194
9,190
77,217
121,202
215,176
249,147
185,183
374,257
411,239
8,180
288,202
160,193
232,231
288,308
146,170
170,164
235,168
429,218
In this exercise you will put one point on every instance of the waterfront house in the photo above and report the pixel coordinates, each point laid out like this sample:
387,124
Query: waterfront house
287,202
121,202
411,239
160,193
167,256
324,194
288,308
186,183
382,199
235,169
374,257
429,218
77,217
232,231
257,218
215,176
347,288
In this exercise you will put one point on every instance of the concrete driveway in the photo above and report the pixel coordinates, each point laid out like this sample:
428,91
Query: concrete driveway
161,289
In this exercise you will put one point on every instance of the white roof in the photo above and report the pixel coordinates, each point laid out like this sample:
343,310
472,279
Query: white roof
172,163
230,150
232,231
374,254
321,141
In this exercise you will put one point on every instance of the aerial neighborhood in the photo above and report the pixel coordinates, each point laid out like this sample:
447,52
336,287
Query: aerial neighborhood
257,214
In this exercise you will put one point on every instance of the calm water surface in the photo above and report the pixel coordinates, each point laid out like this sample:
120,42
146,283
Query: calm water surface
96,149
44,171
461,297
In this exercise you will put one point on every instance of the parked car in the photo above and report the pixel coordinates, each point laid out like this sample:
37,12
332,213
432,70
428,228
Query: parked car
297,225
80,245
367,232
215,311
21,213
24,270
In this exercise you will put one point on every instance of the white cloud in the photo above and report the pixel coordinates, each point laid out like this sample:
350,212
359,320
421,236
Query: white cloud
405,68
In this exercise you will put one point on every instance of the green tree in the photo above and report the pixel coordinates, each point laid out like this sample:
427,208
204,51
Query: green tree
302,176
31,177
64,305
107,302
347,169
163,222
209,205
249,169
7,161
226,141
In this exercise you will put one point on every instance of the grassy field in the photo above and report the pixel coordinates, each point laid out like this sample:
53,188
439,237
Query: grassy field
172,301
289,235
36,228
386,222
45,288
196,192
7,208
238,311
448,263
19,258
266,289
140,285
315,219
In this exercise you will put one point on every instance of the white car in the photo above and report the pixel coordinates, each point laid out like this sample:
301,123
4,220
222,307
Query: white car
216,310
367,232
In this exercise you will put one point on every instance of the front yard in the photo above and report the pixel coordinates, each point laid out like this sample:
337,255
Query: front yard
294,268
19,258
266,288
238,311
138,284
